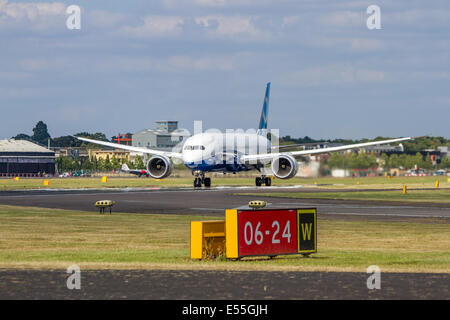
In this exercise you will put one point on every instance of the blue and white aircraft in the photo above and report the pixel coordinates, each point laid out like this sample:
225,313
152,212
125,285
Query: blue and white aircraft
232,152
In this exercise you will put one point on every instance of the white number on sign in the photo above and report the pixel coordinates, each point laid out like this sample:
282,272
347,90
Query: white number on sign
247,241
275,223
258,234
287,232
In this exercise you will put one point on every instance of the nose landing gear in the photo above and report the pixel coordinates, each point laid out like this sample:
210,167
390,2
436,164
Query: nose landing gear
200,180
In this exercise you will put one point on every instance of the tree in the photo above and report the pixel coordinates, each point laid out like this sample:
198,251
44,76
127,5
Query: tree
95,136
40,133
445,162
138,163
336,160
108,165
22,136
66,141
115,163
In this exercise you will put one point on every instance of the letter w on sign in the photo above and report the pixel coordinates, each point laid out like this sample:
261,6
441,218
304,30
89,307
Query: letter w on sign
306,230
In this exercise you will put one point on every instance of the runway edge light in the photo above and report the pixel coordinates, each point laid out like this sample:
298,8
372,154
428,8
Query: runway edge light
103,204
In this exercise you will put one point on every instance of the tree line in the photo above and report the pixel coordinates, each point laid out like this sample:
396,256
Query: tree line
93,164
369,161
42,136
415,145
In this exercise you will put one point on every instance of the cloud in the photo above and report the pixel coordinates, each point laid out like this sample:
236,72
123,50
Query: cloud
288,21
173,64
348,44
156,26
202,63
336,74
220,3
106,19
344,19
420,18
230,26
34,16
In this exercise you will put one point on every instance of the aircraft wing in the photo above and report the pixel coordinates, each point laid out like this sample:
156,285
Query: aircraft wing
270,156
288,146
135,149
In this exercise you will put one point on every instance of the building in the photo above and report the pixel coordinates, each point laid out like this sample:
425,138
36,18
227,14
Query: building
166,136
444,151
388,149
71,152
25,158
111,153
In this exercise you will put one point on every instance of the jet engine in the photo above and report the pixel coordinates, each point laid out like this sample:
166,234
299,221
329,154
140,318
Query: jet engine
159,167
284,167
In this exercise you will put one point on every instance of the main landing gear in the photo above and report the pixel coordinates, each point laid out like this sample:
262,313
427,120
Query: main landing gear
200,180
263,180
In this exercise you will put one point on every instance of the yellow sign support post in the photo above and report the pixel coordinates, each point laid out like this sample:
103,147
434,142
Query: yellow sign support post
404,189
207,239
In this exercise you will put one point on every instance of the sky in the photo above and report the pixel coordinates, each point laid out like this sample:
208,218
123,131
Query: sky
135,62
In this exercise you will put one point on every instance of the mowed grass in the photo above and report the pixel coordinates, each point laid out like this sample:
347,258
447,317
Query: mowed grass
436,196
185,179
54,238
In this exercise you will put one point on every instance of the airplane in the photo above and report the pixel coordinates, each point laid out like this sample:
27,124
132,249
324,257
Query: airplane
232,152
138,172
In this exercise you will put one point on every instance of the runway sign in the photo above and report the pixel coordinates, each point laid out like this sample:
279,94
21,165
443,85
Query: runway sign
270,232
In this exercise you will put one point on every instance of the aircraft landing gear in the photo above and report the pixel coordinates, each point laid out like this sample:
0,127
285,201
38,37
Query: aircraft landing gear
263,180
200,180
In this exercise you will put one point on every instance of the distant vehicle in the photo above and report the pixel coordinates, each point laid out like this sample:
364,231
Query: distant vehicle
138,172
81,173
416,173
439,173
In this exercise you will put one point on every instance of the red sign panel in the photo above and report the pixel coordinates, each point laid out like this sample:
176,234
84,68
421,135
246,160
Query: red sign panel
267,232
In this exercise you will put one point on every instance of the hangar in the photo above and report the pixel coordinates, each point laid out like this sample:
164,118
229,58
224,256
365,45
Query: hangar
25,158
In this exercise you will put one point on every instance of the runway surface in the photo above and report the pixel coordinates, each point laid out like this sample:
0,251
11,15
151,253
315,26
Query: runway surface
179,284
222,285
214,201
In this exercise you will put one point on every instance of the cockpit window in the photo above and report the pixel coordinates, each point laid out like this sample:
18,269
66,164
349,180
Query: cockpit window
194,148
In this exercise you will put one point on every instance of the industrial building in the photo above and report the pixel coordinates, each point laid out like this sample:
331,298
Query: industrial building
25,158
166,136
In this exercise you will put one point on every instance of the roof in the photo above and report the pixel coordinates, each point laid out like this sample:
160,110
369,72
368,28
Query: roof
12,145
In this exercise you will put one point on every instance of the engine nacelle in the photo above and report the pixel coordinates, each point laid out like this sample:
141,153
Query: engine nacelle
159,167
284,167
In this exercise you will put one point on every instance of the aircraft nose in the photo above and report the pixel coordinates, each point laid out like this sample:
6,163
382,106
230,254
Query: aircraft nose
192,157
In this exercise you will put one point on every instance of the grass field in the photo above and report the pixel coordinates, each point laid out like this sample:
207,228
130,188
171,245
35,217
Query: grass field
436,196
181,180
53,238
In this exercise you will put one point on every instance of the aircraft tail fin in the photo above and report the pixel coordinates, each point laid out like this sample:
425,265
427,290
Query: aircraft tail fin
265,110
